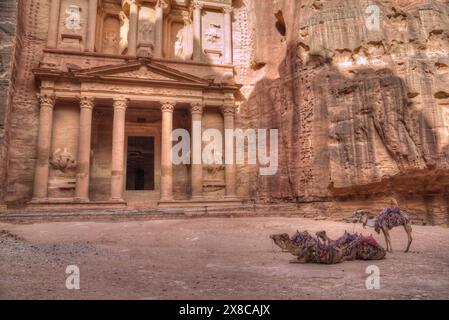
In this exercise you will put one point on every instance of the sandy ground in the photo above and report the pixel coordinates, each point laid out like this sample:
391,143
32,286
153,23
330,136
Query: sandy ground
207,259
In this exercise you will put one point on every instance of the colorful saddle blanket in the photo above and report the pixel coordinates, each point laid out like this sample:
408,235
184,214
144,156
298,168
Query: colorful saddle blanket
391,217
316,251
357,246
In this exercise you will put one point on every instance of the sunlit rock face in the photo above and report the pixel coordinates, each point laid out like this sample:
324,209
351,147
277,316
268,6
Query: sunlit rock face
359,94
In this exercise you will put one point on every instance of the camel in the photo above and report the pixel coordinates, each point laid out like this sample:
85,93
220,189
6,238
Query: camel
281,241
355,246
308,249
388,219
322,235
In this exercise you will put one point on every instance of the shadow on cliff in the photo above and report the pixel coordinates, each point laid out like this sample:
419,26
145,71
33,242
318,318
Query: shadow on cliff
342,134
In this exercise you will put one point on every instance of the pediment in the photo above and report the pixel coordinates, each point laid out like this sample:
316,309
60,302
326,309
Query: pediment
141,71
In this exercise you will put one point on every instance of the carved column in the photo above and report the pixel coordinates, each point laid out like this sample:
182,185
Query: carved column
196,145
158,32
133,26
230,171
47,103
197,46
228,34
166,156
84,146
53,23
92,25
118,147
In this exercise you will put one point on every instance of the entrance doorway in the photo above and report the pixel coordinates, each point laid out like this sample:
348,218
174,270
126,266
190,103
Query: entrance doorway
140,164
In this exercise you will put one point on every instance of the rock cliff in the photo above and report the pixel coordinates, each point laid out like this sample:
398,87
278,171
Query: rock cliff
359,92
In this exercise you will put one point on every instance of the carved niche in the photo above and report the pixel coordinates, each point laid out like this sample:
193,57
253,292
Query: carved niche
72,22
146,31
213,35
177,28
111,35
112,29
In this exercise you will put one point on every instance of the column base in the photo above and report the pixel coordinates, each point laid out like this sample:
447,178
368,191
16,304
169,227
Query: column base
117,200
81,200
39,200
201,203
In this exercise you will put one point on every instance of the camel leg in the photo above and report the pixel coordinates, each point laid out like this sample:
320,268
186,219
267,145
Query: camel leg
386,239
298,260
408,229
389,241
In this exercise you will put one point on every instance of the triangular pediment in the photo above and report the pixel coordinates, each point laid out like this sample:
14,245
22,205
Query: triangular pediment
141,71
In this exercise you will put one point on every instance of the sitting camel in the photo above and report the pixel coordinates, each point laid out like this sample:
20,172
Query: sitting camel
355,246
308,249
388,219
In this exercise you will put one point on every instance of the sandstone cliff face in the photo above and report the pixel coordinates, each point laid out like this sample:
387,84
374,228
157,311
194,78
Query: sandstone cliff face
9,51
361,110
21,117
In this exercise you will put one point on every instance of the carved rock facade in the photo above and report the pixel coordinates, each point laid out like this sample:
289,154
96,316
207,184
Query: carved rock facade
362,105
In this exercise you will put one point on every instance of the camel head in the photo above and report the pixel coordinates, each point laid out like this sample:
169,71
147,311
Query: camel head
362,216
322,235
393,202
280,240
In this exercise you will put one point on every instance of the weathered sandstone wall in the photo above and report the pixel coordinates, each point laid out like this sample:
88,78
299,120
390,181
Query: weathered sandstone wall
10,47
362,114
22,115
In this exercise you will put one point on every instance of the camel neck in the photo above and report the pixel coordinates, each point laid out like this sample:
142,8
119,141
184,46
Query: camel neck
371,223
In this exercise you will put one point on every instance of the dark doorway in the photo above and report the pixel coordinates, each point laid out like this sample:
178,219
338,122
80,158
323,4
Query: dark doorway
140,164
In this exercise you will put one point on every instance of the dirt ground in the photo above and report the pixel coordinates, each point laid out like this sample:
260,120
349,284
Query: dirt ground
210,258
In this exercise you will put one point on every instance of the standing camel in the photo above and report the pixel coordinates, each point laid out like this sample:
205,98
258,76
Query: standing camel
388,219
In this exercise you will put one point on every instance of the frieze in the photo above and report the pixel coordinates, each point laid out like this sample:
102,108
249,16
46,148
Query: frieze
132,89
221,2
142,73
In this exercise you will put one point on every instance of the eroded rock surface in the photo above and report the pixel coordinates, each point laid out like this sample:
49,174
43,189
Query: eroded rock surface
361,110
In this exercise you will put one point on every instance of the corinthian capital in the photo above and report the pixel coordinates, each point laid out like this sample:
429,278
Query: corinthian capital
186,18
162,4
46,100
120,103
197,5
228,109
196,108
228,10
129,3
167,106
87,102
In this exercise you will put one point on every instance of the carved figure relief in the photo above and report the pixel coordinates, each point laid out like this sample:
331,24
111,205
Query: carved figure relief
72,20
110,42
111,31
63,160
145,32
213,170
124,27
179,44
213,34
